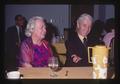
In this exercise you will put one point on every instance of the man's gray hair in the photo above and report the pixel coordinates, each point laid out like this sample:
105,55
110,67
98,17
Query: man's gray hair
83,16
31,25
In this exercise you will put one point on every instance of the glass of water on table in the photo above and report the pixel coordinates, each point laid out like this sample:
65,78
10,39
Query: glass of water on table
53,64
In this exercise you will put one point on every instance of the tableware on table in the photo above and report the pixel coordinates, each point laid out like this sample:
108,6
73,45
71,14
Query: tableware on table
53,64
99,60
13,75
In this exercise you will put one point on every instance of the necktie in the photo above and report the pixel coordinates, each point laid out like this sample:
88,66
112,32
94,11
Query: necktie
85,42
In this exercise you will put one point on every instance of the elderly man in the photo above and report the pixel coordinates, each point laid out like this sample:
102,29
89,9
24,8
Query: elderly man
77,45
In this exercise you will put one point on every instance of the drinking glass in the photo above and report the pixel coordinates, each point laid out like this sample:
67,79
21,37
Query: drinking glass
53,65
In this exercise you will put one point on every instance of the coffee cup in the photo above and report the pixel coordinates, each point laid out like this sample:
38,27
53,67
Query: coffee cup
13,75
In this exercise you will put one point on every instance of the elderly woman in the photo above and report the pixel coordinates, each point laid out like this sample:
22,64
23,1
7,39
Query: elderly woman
35,51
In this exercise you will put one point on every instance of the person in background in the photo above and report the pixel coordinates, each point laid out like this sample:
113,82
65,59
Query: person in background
35,50
14,36
109,39
77,45
110,29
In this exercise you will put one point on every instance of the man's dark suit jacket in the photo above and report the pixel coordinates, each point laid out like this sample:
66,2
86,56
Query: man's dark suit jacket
11,48
75,46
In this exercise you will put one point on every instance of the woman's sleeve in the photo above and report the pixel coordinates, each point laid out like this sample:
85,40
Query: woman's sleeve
25,54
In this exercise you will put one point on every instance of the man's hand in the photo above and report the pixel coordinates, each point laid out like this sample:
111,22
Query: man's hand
76,58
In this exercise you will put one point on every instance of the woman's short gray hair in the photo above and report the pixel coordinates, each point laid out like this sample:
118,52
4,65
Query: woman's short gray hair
83,16
31,25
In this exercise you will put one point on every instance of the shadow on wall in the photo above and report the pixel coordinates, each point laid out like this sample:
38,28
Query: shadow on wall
98,27
95,36
52,30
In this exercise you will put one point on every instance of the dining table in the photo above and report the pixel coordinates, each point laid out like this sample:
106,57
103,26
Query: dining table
62,73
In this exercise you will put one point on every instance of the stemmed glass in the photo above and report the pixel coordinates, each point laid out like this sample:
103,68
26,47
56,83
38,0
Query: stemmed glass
53,64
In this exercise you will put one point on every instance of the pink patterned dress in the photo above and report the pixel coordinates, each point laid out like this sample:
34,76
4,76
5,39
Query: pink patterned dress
36,55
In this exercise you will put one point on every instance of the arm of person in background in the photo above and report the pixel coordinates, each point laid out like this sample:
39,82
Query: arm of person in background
72,52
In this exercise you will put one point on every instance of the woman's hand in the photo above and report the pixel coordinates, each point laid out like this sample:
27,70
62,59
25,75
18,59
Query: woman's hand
27,65
76,58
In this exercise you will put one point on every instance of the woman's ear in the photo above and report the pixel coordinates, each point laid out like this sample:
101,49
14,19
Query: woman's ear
78,24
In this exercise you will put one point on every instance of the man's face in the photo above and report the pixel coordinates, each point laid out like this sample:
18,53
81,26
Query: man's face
84,27
20,21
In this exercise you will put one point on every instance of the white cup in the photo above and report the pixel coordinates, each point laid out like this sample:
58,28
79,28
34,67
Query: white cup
13,75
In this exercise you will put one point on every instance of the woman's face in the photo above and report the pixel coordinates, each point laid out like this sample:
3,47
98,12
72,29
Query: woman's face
84,27
40,29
